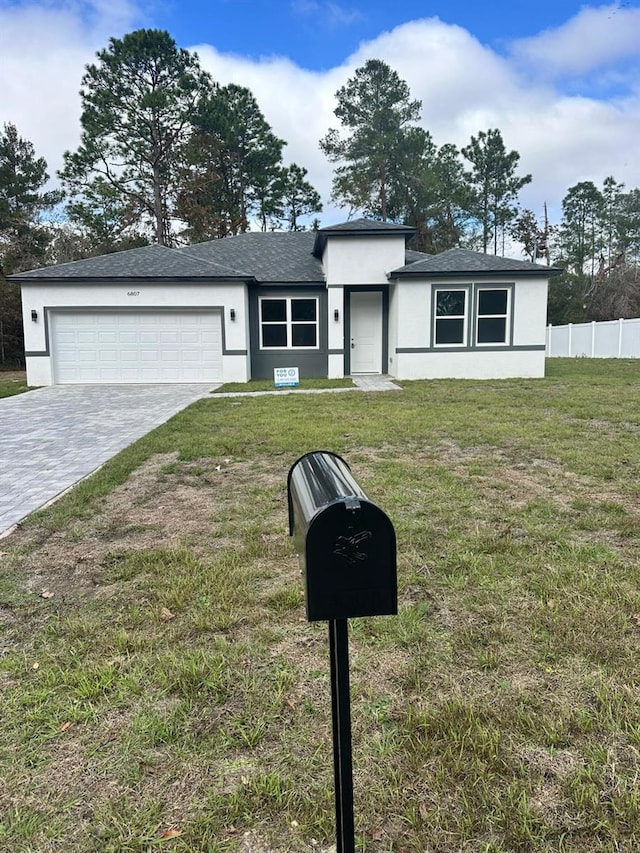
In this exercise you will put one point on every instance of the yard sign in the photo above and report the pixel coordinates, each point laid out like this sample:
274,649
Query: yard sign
286,377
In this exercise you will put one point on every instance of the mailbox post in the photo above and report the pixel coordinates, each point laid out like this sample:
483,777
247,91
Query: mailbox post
347,550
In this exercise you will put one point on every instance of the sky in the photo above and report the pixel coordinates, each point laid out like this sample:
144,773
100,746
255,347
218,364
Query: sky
561,80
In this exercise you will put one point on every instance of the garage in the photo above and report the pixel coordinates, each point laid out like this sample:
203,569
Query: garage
136,346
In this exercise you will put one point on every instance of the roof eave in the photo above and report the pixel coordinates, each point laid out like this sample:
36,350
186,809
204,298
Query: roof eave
151,279
548,273
323,235
283,282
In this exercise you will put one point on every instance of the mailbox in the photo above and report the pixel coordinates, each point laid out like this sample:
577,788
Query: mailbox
347,544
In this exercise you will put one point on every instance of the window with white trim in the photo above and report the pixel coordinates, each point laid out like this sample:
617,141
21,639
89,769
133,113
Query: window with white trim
451,317
492,316
289,323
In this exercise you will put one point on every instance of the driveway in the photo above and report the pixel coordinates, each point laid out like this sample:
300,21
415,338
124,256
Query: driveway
52,437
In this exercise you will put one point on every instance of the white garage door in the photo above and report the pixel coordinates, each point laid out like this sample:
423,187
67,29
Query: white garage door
128,347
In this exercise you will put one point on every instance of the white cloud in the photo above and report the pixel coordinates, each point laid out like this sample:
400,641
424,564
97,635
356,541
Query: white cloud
464,85
592,39
45,48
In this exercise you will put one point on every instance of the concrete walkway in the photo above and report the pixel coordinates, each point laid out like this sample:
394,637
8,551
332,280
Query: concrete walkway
52,437
360,383
375,383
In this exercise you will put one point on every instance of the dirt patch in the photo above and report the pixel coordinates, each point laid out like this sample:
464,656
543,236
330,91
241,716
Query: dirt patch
164,503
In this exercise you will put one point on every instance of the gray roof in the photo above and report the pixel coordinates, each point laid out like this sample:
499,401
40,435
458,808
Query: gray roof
411,256
463,261
145,262
271,256
357,227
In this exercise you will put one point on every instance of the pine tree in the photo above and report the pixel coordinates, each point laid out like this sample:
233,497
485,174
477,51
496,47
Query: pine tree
137,105
376,112
494,183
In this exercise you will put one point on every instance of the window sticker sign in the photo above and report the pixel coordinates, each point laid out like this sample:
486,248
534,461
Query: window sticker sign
286,377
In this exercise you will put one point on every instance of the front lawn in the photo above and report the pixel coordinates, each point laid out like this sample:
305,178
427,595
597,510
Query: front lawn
161,688
12,382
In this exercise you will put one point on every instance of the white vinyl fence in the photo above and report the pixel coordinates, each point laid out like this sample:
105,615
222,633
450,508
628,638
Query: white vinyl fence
611,339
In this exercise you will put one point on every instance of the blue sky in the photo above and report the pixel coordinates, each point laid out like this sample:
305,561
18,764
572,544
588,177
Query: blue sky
319,35
560,79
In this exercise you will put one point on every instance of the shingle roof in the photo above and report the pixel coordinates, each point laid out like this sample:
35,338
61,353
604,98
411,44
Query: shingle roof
145,262
271,256
463,261
367,225
411,256
264,257
358,227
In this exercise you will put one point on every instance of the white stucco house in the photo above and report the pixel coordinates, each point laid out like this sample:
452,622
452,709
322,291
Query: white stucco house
343,300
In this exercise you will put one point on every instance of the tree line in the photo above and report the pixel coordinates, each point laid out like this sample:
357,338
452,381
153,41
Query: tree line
167,155
389,167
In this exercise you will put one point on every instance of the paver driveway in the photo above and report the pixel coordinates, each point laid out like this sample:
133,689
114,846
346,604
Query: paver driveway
53,437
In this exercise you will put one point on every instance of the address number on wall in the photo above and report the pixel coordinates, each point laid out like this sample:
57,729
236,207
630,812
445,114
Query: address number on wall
133,293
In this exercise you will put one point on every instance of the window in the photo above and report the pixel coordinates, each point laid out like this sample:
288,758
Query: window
289,323
451,317
492,316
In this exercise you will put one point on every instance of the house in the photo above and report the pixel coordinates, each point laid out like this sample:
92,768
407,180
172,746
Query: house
346,299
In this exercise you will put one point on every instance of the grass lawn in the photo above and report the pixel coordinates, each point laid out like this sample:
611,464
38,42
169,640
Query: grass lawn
12,382
161,688
268,385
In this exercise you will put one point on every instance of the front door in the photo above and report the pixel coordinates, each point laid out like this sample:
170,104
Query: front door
366,332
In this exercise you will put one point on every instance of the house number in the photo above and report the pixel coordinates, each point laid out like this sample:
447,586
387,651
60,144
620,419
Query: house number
133,293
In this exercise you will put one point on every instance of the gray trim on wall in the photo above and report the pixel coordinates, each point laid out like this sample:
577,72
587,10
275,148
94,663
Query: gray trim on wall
474,350
310,362
88,309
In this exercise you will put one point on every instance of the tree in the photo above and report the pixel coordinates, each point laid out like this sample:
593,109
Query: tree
535,238
439,208
409,176
565,303
23,201
23,236
106,221
611,197
137,104
376,113
495,184
232,166
297,197
628,226
615,294
581,231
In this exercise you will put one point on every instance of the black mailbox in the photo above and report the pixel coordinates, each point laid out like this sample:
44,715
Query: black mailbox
347,545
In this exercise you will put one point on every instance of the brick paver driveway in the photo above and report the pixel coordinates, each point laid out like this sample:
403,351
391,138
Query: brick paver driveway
53,437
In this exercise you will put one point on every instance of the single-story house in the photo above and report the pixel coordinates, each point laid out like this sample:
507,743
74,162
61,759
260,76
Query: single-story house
346,299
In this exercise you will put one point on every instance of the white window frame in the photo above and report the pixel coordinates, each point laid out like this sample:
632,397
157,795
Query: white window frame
465,317
289,321
506,316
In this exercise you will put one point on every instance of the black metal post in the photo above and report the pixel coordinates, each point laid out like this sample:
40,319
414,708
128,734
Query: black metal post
341,716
